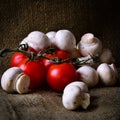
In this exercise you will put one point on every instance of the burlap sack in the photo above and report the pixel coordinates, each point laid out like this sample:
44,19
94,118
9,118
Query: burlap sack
20,17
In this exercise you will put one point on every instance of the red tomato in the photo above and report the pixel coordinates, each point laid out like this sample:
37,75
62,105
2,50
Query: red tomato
35,70
58,54
30,49
62,54
17,58
59,75
47,63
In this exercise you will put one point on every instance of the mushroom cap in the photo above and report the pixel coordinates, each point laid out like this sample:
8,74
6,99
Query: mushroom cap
88,75
88,38
65,40
8,77
72,97
37,40
12,77
89,45
51,36
79,84
106,74
75,96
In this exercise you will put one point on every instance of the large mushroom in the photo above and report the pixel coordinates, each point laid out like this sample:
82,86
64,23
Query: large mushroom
51,36
65,40
14,80
89,45
88,75
75,95
37,40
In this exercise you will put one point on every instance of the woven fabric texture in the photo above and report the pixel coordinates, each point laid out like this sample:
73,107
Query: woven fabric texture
20,17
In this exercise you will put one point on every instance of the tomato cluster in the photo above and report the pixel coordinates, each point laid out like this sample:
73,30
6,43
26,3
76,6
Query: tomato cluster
41,69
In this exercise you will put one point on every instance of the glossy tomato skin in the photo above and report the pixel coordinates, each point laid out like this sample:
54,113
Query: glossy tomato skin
60,54
59,75
47,63
30,49
35,70
16,58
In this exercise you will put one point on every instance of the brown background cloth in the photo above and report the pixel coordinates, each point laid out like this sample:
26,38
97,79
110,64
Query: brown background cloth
20,17
101,17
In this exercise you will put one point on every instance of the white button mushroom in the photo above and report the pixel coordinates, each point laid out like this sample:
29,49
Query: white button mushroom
107,74
51,36
74,97
65,40
37,40
89,45
88,75
14,80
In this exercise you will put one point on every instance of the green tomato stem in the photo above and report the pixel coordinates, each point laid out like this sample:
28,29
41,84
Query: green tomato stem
41,54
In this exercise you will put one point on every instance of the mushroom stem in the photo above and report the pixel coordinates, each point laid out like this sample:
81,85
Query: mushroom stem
89,60
85,101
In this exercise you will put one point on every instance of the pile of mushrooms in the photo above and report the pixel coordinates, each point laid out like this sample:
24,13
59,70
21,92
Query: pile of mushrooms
75,94
104,72
91,74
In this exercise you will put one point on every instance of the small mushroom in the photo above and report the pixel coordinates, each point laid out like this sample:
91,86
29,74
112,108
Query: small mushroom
65,40
51,36
88,75
107,74
36,40
89,45
74,97
14,80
